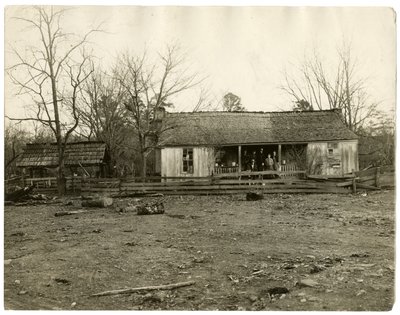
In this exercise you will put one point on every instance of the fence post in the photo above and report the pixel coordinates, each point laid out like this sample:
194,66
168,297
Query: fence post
354,186
353,181
377,175
239,159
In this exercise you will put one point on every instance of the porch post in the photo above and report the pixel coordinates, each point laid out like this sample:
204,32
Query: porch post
280,154
240,157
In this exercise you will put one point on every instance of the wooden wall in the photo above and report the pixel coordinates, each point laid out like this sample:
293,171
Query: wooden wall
342,159
325,158
349,156
172,163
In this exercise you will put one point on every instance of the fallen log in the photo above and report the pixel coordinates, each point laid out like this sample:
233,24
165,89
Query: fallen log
103,202
62,213
331,177
158,287
136,194
364,186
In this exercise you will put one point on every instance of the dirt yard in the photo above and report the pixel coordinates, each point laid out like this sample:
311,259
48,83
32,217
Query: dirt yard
286,252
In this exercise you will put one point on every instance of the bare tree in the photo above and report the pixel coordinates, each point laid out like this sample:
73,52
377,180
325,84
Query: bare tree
377,141
203,102
148,89
14,140
52,74
103,115
318,88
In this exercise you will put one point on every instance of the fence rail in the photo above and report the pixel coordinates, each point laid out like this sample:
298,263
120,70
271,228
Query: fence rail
49,184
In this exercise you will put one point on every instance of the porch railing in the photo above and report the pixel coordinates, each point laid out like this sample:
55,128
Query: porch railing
286,170
226,169
290,169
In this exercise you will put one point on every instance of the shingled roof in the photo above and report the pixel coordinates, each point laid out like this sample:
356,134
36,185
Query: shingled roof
46,155
230,128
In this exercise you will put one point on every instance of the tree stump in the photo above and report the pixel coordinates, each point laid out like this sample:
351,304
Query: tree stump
253,196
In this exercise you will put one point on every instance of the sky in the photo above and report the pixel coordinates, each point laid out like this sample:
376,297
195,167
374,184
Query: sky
243,50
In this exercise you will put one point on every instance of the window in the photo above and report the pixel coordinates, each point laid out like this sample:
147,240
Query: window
188,161
332,147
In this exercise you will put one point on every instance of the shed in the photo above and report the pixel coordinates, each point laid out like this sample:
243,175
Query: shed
206,143
81,158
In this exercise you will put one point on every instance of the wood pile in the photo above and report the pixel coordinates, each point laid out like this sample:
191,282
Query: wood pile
19,194
150,208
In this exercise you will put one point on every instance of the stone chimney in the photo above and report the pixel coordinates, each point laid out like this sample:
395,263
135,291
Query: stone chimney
337,111
159,114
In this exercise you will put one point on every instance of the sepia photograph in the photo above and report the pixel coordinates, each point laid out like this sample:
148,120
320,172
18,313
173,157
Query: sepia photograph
199,157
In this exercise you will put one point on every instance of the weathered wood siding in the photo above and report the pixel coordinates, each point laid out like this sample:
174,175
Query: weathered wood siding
157,161
317,158
349,156
342,159
172,162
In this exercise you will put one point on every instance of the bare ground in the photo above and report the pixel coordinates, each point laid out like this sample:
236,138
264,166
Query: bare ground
234,250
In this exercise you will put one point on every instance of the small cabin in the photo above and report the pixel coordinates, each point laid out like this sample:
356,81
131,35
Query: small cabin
201,144
89,158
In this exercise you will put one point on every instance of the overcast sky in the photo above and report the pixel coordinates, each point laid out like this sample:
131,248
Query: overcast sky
243,50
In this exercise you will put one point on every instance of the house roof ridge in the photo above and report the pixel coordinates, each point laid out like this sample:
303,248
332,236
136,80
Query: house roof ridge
68,143
255,112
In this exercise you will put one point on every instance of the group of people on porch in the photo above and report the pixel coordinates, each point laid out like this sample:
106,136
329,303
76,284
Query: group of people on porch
259,161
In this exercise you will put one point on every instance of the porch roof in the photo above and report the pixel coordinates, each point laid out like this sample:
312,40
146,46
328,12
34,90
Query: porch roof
233,128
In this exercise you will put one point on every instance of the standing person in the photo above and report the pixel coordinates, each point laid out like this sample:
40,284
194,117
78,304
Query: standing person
246,161
275,160
254,161
269,162
260,160
253,166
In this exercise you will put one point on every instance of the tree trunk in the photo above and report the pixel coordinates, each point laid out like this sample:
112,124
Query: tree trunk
144,164
61,180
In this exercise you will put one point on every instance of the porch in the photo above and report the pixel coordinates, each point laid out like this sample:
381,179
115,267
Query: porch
266,161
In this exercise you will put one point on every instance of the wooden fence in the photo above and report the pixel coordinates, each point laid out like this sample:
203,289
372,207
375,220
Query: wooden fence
268,182
206,186
289,181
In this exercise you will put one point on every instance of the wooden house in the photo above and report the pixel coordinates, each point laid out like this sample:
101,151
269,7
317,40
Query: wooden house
81,159
204,143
